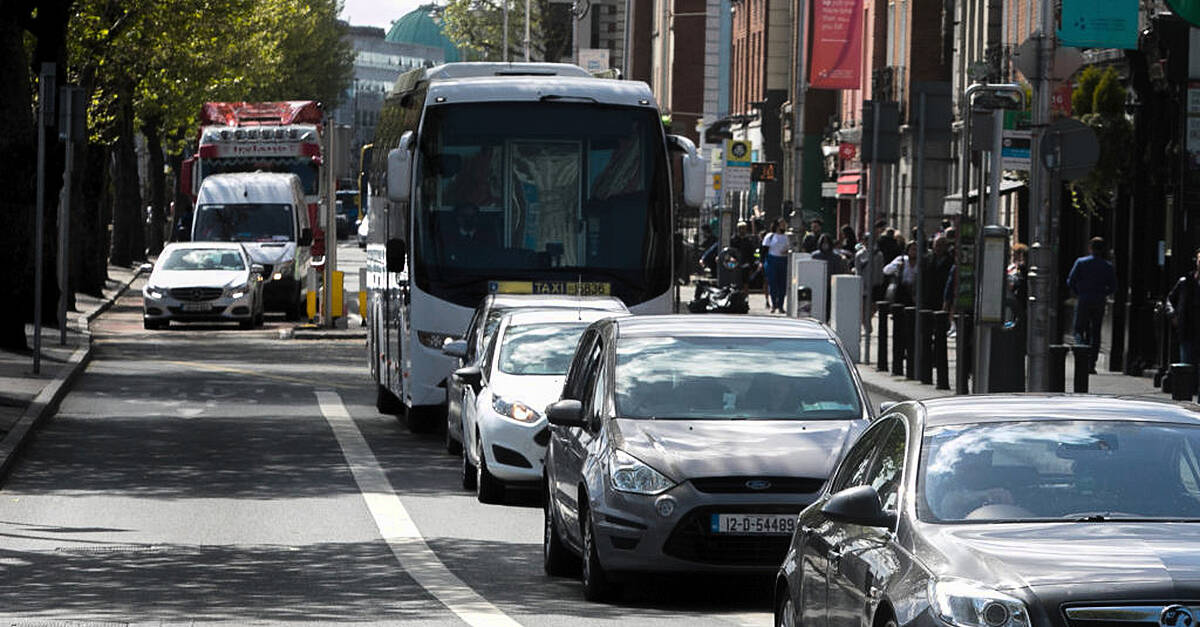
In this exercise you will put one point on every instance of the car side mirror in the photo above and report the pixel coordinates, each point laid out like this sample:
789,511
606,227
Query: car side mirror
885,406
694,171
306,237
859,506
455,348
470,375
396,253
566,413
399,169
146,267
257,268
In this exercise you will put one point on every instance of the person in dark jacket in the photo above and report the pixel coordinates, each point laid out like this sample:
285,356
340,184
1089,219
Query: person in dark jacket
811,240
1092,279
826,252
1183,308
937,271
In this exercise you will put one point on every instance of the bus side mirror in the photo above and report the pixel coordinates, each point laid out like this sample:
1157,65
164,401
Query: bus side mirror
396,252
305,237
694,170
399,169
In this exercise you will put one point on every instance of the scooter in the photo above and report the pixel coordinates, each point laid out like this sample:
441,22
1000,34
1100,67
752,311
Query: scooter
728,297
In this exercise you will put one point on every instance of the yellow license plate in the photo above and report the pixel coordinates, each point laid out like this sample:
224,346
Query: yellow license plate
561,288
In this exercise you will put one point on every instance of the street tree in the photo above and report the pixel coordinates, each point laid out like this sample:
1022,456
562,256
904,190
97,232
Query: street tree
1098,100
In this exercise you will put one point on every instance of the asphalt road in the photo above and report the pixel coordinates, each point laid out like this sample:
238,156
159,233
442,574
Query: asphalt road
207,474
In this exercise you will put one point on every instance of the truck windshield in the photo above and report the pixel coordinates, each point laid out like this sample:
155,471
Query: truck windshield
541,191
251,222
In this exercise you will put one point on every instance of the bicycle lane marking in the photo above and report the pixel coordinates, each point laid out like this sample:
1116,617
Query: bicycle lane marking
397,527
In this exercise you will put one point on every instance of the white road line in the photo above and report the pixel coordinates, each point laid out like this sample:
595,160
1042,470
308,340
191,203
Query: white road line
398,529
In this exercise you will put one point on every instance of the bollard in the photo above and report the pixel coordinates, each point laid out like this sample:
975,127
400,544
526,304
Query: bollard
1058,367
898,339
962,353
941,360
1083,365
882,307
910,343
1183,382
926,345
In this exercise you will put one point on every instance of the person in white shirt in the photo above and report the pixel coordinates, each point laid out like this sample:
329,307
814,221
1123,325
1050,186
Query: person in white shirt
775,265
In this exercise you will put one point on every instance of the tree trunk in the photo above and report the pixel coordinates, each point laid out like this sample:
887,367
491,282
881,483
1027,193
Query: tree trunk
89,230
128,243
18,161
152,129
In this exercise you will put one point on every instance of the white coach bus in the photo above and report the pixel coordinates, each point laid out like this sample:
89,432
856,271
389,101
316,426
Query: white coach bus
510,178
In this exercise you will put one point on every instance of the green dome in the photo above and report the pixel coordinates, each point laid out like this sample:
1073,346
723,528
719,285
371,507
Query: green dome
419,27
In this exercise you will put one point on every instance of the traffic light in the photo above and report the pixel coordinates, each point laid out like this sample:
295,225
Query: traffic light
889,132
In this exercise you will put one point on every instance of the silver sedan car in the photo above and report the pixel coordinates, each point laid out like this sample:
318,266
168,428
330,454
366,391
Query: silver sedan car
691,443
203,281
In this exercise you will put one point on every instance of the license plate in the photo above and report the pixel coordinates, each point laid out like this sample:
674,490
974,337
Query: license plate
205,307
571,288
754,524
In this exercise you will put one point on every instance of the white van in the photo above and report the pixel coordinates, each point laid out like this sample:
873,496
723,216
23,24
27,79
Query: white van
267,213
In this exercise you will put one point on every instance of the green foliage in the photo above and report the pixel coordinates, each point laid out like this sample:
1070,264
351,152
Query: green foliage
477,26
1098,100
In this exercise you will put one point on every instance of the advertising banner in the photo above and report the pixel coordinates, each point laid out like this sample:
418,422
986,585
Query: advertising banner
1099,24
836,55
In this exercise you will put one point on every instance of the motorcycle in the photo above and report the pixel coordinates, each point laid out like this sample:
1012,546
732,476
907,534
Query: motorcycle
727,297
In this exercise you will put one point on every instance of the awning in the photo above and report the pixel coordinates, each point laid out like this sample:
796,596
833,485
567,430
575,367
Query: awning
847,183
952,205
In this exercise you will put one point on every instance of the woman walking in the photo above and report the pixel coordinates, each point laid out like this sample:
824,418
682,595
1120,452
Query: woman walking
775,266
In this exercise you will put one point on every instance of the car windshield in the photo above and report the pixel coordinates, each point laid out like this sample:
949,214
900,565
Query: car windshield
203,259
1060,470
733,378
250,222
540,349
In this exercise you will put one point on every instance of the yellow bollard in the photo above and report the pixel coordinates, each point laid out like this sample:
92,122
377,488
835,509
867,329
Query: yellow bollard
338,310
311,304
362,304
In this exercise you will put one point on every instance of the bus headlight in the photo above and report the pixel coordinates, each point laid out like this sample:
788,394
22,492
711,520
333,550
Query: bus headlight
434,340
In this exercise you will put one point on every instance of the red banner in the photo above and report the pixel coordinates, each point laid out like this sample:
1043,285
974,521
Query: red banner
836,55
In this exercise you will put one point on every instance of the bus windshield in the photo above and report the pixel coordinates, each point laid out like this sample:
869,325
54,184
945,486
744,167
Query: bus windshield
542,191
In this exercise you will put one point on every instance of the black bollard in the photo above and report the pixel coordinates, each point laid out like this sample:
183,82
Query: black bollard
910,343
1058,367
1183,382
928,331
962,353
882,307
941,361
1083,364
898,339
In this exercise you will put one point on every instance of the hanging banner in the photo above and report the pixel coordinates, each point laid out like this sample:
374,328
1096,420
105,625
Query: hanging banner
1099,24
836,55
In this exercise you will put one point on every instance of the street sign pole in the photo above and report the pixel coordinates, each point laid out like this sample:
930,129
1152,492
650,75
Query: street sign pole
919,285
71,127
872,216
46,95
1042,276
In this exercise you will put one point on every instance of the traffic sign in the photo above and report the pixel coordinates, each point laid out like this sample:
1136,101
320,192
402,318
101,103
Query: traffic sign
1071,148
717,182
762,171
738,159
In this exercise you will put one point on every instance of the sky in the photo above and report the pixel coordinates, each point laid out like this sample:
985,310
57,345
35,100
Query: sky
379,13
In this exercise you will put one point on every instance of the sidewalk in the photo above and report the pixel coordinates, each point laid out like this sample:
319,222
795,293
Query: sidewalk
885,386
25,398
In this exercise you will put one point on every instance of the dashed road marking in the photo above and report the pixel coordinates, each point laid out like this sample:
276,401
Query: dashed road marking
398,529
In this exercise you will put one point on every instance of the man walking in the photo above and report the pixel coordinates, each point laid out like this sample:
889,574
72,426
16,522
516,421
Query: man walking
1092,278
1183,308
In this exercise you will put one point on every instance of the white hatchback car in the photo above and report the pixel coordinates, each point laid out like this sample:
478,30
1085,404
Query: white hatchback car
521,372
203,281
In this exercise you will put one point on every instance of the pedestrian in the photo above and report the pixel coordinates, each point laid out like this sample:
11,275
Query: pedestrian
848,240
903,273
708,249
746,246
775,265
937,272
825,252
888,246
809,244
1183,308
1018,282
1092,278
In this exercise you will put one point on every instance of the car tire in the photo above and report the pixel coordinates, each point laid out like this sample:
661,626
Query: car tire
597,587
259,319
468,471
557,559
386,402
422,419
785,614
248,323
151,325
295,309
488,489
453,447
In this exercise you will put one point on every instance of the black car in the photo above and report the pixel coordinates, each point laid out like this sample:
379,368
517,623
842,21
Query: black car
1006,511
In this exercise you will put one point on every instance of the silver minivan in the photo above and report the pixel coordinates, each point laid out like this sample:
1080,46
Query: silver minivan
266,212
691,443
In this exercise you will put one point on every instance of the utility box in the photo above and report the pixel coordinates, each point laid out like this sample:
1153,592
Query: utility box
846,312
804,272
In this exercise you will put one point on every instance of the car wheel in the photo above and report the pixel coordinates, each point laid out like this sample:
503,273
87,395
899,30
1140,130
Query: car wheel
488,489
786,616
453,447
151,324
386,402
295,310
468,471
248,323
422,419
596,585
557,559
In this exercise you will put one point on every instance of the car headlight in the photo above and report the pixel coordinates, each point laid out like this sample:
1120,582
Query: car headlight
630,474
434,340
282,270
967,604
152,292
514,409
236,291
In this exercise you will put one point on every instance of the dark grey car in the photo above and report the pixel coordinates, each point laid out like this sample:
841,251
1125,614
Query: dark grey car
1014,511
690,443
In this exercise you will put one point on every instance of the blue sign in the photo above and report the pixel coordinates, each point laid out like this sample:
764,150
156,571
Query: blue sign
1099,24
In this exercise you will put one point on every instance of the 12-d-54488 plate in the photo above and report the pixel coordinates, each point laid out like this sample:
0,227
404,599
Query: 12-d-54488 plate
754,524
201,307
